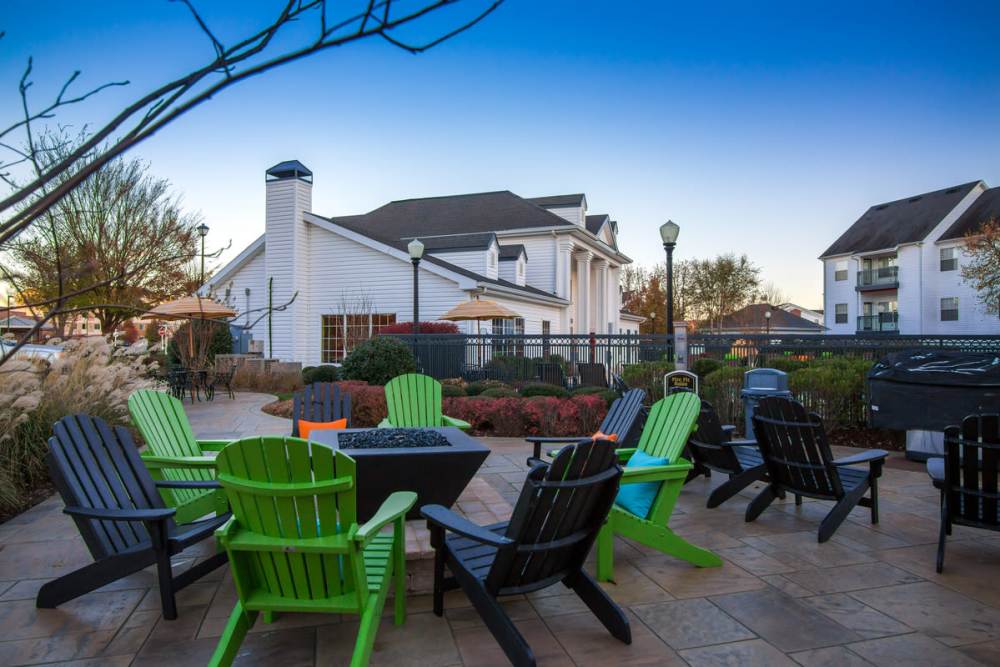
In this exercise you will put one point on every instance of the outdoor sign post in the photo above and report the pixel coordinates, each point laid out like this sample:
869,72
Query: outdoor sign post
680,381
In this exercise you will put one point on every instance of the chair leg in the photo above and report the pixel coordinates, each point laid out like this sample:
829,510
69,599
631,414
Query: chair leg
164,575
437,541
942,538
239,624
500,626
760,503
603,607
606,553
89,578
798,499
839,512
734,485
399,571
874,498
367,629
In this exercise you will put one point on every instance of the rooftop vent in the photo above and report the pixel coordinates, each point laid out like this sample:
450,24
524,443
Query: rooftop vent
289,169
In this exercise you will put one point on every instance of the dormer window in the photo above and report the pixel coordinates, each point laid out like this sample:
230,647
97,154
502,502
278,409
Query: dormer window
520,270
493,260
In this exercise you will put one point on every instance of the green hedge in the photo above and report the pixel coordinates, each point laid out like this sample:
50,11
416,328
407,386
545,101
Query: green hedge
542,389
325,373
648,376
452,390
722,388
378,360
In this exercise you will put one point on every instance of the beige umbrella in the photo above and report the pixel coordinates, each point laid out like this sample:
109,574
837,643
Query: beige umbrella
479,310
191,308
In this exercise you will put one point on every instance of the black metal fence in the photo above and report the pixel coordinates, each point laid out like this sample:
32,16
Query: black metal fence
568,360
755,350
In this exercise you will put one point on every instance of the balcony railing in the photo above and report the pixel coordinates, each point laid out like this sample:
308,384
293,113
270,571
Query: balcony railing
886,277
881,322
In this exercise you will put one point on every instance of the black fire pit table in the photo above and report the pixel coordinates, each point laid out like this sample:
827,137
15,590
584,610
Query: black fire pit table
436,463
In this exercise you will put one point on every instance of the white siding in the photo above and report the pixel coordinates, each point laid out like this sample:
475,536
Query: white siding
575,214
533,313
470,260
908,296
508,270
286,260
938,284
251,275
541,267
843,291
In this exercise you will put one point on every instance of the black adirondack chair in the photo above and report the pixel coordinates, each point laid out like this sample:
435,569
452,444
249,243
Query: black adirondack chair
119,513
967,476
712,448
798,459
320,402
554,524
624,418
592,375
551,373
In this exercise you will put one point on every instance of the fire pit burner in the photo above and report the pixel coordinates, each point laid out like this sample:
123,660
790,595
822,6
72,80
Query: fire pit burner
392,438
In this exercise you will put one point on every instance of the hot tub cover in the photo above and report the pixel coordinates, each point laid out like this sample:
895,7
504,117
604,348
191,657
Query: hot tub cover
942,368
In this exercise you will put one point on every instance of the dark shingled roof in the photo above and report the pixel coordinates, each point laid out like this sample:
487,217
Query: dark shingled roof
752,318
985,208
902,221
289,168
558,200
457,242
595,222
512,251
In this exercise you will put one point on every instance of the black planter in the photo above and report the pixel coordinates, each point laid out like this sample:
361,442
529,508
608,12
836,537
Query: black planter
438,475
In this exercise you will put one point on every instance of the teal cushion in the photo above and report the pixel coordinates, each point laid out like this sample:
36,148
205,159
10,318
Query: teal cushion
638,498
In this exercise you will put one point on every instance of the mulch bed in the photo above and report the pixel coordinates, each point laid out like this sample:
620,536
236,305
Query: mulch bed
279,409
867,438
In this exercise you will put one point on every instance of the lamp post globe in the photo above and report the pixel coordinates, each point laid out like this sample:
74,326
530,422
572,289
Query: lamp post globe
668,234
416,250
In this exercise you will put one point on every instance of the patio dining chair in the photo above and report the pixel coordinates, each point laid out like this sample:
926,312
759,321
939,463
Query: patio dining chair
173,453
295,545
798,459
623,420
968,477
118,510
553,527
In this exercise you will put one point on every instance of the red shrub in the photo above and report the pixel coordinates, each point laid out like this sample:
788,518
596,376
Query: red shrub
367,403
425,328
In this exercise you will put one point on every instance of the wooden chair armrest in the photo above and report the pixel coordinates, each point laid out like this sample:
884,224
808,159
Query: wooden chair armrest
655,473
121,514
158,462
545,440
935,468
225,531
739,443
213,445
185,484
456,422
439,517
625,453
385,423
394,507
863,457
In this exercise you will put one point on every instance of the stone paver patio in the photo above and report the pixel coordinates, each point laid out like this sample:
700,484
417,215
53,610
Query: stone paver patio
870,596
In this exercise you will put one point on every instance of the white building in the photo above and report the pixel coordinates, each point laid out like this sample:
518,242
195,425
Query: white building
545,258
897,269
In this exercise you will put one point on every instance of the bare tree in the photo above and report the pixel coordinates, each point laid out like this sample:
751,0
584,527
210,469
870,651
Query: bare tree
768,292
230,62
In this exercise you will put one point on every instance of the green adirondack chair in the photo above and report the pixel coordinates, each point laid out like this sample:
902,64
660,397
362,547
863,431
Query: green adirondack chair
414,401
671,421
174,454
294,544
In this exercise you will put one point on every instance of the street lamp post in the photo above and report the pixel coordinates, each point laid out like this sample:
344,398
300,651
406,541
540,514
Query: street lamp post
652,322
416,250
202,232
668,233
9,296
767,319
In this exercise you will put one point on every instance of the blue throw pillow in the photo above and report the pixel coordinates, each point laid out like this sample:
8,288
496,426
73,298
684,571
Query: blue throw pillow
638,498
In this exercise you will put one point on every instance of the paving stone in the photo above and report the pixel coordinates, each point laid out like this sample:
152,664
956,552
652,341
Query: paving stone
851,577
752,653
912,649
787,587
478,647
938,612
833,656
853,615
94,612
690,623
769,613
468,617
683,580
589,643
802,547
68,646
754,561
423,640
289,648
987,653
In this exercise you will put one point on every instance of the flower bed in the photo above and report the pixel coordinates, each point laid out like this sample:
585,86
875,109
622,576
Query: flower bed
507,417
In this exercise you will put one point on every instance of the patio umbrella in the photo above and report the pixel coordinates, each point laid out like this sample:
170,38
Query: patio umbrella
191,308
479,310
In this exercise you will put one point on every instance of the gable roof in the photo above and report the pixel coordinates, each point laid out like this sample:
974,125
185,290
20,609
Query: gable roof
595,222
456,242
907,220
985,208
752,318
512,252
558,200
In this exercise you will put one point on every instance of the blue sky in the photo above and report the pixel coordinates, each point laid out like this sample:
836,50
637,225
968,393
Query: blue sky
762,129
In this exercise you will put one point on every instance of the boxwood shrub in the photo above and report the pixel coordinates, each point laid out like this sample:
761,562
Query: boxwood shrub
542,389
378,360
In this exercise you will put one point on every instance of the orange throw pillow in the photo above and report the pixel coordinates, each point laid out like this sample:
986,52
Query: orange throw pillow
599,436
305,428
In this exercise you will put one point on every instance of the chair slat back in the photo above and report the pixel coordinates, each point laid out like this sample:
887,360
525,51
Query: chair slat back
164,426
795,450
557,516
413,401
707,443
592,375
96,467
320,402
623,417
671,421
281,488
972,466
551,373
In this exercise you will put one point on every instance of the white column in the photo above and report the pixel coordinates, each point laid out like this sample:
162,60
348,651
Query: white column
600,310
583,310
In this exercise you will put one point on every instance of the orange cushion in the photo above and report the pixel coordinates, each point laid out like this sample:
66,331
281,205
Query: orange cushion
599,436
305,428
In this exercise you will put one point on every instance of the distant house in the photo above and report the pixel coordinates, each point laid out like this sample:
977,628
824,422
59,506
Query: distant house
897,268
811,314
753,319
20,322
545,258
